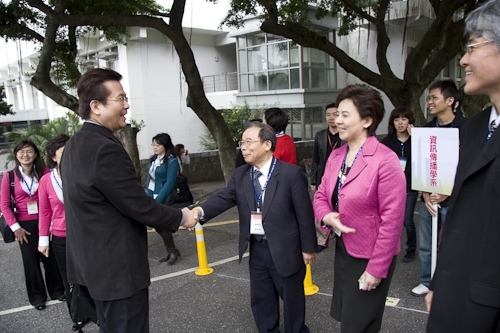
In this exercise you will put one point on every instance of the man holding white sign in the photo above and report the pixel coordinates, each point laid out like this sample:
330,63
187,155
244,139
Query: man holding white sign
441,101
465,290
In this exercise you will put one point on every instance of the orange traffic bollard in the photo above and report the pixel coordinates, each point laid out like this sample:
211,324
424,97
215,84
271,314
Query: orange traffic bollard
309,287
203,268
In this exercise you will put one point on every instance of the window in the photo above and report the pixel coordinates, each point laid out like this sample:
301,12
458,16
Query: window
270,62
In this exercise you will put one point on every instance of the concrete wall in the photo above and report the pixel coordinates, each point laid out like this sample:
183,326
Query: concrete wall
205,166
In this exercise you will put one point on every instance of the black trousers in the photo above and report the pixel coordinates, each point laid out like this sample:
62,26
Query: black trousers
267,286
125,315
35,286
58,245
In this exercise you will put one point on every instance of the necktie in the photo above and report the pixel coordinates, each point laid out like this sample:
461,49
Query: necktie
493,127
258,189
256,183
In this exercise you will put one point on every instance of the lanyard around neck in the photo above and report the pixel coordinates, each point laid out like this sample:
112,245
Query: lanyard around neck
258,199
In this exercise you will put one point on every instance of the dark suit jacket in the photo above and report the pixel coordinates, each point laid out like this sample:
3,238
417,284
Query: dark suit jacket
321,154
466,283
287,213
106,213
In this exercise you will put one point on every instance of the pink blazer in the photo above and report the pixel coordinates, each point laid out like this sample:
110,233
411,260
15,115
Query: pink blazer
372,200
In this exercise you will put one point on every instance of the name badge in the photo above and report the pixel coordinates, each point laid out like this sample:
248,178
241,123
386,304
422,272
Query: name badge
402,161
256,227
151,185
32,207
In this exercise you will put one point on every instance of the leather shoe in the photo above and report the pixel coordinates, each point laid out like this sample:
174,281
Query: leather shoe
79,326
320,248
409,257
40,306
165,257
62,298
174,255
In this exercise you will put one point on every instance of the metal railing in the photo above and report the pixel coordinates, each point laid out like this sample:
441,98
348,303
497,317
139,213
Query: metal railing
220,82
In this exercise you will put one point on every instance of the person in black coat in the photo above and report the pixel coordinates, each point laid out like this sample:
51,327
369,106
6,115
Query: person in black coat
276,219
398,139
325,141
464,294
107,209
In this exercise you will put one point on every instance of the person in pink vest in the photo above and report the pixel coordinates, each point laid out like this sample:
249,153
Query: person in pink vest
24,223
362,197
52,222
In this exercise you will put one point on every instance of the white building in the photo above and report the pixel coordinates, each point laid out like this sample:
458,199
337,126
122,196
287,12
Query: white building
236,66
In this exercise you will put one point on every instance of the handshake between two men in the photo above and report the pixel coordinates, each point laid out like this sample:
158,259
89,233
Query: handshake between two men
191,217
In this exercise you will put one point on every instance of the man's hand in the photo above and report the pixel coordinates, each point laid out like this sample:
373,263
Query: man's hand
428,204
438,198
428,300
333,220
44,250
309,258
21,234
189,218
313,187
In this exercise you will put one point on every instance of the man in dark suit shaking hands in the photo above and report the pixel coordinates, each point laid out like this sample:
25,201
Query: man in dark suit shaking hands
107,209
276,218
465,289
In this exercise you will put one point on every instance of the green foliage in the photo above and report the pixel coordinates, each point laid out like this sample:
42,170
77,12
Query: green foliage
235,118
139,125
297,11
69,124
5,108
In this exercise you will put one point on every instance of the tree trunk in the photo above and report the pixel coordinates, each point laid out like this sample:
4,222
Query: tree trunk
128,138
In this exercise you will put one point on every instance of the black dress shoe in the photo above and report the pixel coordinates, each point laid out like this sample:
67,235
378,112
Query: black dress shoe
79,326
320,248
40,306
62,298
409,257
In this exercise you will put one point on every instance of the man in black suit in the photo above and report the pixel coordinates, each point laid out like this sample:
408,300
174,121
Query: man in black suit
107,209
325,142
465,289
276,217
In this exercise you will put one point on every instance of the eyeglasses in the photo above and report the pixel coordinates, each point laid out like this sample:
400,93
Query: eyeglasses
26,152
155,145
123,99
247,143
471,47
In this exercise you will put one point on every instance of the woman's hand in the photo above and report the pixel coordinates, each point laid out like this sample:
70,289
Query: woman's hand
21,234
408,129
333,220
44,250
370,282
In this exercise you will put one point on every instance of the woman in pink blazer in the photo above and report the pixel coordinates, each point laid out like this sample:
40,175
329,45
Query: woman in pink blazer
24,223
362,197
52,223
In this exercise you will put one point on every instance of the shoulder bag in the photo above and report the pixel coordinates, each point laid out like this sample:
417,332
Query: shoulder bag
7,233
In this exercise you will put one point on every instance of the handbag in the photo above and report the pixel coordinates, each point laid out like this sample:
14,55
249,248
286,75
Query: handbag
82,306
181,194
7,233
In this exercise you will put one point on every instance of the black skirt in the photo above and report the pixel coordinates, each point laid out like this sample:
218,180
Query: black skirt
357,310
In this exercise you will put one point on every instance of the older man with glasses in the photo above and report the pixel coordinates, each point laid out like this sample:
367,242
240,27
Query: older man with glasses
464,294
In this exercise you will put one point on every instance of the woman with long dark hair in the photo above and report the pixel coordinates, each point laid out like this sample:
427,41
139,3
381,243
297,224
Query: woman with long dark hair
399,140
52,224
161,180
24,223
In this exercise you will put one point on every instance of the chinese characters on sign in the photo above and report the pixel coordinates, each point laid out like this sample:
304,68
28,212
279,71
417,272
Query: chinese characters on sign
433,161
432,172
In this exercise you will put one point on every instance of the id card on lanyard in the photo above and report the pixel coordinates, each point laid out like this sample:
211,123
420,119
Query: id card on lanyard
256,226
32,205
